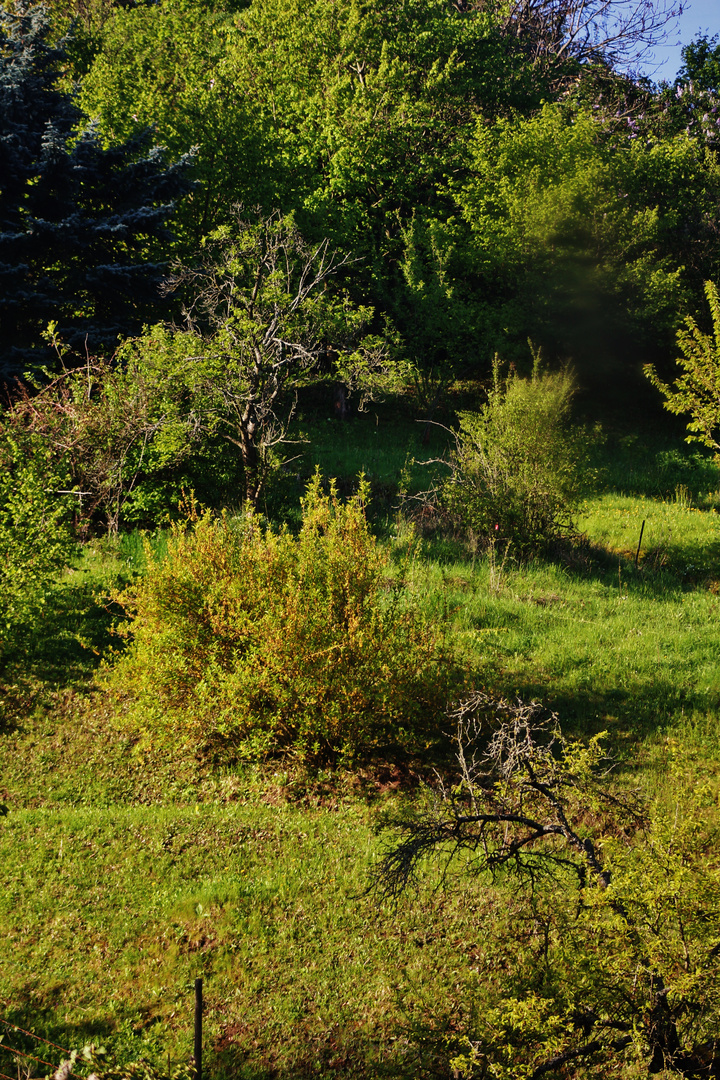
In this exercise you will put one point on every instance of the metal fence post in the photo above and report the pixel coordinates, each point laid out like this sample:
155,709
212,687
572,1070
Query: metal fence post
198,1028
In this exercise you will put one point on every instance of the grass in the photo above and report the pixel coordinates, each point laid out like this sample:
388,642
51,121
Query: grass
114,910
611,650
126,874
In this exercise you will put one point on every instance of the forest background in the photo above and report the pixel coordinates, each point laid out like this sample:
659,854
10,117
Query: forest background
242,242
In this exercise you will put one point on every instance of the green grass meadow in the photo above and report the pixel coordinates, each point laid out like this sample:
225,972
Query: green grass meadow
127,873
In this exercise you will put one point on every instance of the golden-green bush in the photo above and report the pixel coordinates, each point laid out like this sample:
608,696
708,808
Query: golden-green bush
250,641
519,466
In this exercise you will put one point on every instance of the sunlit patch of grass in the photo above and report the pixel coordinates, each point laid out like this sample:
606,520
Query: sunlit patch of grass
112,913
630,650
677,537
106,559
649,463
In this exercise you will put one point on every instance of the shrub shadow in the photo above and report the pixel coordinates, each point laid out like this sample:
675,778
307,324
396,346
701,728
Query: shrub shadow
59,651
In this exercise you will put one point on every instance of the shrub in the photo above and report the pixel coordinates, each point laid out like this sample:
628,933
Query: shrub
697,390
35,541
249,641
517,466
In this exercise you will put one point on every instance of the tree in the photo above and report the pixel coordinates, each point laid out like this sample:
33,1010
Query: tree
170,66
82,226
609,960
260,319
352,116
697,390
587,236
701,64
619,33
435,309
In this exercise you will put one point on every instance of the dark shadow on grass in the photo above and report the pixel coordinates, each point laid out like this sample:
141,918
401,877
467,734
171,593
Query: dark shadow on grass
60,650
240,1052
335,1052
662,570
36,1029
629,711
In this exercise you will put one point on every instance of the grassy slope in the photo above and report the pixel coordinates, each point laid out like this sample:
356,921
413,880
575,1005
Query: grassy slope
123,877
634,649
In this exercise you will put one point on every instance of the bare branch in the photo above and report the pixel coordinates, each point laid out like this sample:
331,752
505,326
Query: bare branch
621,33
520,786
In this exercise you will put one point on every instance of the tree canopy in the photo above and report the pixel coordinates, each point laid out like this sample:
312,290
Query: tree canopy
493,172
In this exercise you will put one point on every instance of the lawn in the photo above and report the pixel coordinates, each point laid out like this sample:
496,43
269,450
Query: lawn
127,873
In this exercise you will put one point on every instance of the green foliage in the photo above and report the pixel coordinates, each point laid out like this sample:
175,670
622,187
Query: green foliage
255,641
437,315
610,953
262,319
581,226
142,1070
697,390
701,64
623,977
350,115
35,541
518,466
168,65
106,1066
415,138
116,425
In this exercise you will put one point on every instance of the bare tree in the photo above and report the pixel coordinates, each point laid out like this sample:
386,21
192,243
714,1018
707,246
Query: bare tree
512,803
621,33
264,319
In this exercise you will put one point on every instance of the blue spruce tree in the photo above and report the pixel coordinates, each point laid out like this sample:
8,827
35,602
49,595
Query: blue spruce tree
84,231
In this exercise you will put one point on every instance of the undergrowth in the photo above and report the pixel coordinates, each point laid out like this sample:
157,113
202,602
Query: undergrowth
131,866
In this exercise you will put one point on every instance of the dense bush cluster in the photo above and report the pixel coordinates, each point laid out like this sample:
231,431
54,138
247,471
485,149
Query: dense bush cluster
250,641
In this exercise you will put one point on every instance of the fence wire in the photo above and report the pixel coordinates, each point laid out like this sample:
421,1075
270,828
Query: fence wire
16,1052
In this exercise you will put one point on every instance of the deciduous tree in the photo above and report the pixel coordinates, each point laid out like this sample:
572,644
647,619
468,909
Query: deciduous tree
697,390
261,318
35,541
